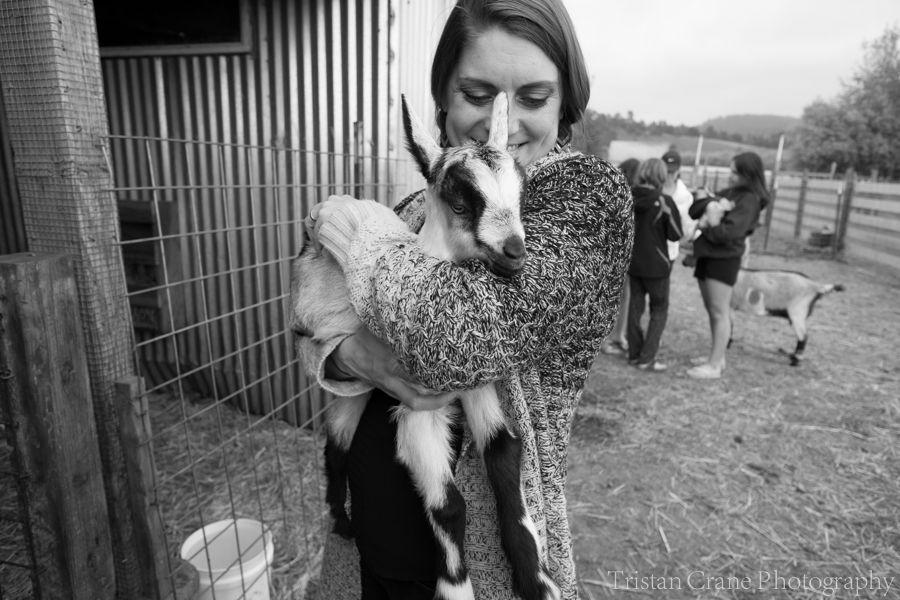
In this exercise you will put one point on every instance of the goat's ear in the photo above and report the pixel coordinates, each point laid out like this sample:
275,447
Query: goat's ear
418,141
499,122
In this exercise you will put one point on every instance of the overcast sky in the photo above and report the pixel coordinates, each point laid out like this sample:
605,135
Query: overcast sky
685,61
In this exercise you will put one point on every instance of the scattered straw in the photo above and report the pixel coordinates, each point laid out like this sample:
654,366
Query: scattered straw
215,462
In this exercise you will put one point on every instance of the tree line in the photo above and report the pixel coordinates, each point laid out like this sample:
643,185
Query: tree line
861,127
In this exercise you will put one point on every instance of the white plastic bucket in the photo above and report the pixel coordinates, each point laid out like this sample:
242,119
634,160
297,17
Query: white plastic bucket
215,551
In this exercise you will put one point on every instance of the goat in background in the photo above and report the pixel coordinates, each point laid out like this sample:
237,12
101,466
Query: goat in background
778,293
320,305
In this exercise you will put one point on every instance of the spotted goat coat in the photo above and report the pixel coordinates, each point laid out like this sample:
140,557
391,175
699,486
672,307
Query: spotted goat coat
538,334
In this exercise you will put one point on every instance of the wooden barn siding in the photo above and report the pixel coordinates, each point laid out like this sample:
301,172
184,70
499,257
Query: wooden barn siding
321,93
12,225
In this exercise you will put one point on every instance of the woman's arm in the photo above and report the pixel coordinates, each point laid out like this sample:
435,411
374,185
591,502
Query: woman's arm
736,222
459,326
699,207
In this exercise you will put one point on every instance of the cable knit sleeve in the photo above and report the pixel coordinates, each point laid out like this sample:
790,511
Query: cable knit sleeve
458,326
314,352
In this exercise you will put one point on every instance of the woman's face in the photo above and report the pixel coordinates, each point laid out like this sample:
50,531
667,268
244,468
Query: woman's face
499,62
734,179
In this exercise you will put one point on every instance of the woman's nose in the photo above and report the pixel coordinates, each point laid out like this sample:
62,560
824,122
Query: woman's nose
514,122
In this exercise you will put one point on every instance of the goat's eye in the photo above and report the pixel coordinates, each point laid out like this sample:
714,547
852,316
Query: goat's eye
458,208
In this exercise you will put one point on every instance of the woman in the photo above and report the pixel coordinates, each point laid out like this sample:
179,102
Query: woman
719,249
616,343
450,327
656,221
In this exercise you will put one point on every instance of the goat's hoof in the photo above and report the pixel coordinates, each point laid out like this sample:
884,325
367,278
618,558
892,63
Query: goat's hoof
795,360
342,527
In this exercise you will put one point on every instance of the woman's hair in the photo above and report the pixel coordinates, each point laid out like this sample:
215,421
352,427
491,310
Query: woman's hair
629,170
652,173
544,23
749,167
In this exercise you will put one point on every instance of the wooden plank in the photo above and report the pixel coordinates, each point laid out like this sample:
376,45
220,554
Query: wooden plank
875,222
818,185
134,421
890,208
887,241
47,388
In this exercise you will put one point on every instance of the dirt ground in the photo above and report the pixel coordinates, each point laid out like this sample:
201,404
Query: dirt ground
773,482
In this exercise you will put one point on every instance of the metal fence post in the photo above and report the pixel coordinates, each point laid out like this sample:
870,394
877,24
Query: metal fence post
47,396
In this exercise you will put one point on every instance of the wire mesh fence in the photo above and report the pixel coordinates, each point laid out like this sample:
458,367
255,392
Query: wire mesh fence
208,233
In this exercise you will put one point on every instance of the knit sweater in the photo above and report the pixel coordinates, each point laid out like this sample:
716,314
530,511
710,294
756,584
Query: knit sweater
458,326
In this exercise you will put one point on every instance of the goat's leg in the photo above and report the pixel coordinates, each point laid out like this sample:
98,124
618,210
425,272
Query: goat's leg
424,446
731,331
341,421
502,453
797,315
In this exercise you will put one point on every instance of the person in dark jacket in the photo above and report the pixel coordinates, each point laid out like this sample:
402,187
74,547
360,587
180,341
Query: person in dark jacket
616,342
656,220
719,249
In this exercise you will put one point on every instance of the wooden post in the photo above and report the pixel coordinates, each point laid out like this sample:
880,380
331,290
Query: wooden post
801,202
837,219
46,387
134,421
849,187
695,175
773,190
160,577
52,87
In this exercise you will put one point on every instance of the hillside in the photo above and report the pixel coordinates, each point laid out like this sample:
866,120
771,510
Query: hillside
598,130
752,125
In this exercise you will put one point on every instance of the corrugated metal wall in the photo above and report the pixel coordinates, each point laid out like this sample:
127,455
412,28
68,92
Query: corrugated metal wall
414,38
317,106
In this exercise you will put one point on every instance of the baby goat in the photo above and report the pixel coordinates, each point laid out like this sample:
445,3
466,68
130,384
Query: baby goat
781,294
713,213
472,209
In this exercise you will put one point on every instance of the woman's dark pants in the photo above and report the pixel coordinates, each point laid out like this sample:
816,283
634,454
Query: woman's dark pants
642,349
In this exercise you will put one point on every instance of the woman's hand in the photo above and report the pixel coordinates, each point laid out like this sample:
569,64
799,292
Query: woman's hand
365,357
320,213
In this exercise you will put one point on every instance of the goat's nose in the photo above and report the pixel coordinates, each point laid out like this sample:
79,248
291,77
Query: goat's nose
514,248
